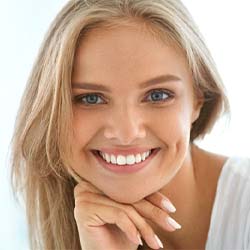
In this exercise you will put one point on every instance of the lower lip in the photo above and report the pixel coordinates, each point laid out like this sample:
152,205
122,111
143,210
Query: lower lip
126,169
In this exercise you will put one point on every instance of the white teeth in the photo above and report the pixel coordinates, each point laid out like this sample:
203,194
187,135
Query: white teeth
121,160
143,156
138,158
107,157
130,159
113,159
125,160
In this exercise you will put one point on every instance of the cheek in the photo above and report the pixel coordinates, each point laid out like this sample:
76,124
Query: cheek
168,125
85,126
171,125
174,131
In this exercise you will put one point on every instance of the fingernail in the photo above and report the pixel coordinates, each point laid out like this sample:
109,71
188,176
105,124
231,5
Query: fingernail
168,205
139,239
158,241
173,223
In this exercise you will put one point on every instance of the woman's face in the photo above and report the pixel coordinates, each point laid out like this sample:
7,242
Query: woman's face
128,114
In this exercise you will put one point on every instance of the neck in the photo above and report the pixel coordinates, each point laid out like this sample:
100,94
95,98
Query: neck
184,192
181,190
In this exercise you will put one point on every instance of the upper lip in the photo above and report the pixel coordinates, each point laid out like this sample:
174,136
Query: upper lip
117,151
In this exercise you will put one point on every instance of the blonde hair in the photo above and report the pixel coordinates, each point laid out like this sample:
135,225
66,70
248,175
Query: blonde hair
40,151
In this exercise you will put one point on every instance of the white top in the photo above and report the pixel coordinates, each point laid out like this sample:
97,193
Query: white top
230,219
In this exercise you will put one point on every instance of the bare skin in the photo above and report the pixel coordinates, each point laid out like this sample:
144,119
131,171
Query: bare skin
125,117
194,213
195,204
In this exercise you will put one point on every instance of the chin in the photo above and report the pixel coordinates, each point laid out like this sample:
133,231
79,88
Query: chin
126,198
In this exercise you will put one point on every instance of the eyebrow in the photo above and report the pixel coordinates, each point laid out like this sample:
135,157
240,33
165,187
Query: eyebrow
155,80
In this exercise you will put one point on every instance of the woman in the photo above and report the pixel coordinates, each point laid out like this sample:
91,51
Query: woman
104,141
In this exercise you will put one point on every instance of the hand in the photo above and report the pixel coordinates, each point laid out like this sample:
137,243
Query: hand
106,224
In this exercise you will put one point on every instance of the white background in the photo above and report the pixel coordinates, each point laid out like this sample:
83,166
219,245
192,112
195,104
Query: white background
225,26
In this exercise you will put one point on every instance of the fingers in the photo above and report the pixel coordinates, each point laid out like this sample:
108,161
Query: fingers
156,215
95,215
161,201
144,228
139,222
154,207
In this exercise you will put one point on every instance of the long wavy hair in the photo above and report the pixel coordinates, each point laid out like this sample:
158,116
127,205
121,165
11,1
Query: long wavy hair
41,154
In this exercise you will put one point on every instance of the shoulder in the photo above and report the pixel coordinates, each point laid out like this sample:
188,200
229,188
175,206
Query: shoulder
233,189
235,176
237,166
234,181
217,170
230,222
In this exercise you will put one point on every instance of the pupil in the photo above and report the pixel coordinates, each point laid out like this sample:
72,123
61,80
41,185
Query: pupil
92,98
156,96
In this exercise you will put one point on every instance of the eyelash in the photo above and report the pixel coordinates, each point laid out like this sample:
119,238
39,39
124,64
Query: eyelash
79,98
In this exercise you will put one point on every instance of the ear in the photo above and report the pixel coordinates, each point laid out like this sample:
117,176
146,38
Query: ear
198,103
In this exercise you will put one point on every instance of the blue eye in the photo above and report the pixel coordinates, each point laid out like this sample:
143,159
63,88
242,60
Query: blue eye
88,99
92,99
160,96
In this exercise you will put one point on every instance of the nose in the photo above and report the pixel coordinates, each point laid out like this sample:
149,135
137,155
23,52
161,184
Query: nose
125,125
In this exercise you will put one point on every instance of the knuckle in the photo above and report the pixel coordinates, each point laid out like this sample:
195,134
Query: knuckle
78,211
129,209
140,203
79,200
81,187
140,206
120,214
121,217
144,224
85,197
155,213
83,216
76,190
123,220
146,229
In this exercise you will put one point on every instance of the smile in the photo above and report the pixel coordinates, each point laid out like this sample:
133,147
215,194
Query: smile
125,160
125,163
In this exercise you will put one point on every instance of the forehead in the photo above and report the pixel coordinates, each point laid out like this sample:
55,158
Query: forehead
127,51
